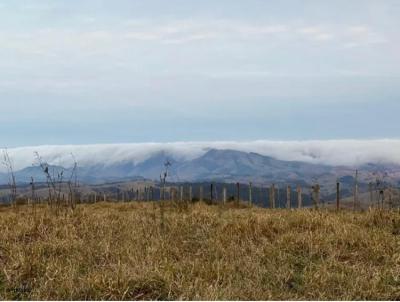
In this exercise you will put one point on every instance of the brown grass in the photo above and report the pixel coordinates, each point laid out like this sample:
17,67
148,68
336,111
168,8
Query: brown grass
118,251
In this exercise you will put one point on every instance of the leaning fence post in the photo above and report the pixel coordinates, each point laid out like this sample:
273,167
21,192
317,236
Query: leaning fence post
201,193
190,194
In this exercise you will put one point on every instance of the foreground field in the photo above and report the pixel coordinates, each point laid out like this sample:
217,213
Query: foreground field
127,251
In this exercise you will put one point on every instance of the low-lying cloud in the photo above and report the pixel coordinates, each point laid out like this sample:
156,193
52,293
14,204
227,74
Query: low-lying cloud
330,152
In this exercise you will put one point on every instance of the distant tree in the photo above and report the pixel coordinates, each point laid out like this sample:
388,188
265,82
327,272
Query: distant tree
73,183
50,180
55,182
33,192
163,177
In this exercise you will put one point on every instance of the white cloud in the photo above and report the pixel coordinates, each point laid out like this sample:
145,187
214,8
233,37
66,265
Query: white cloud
316,33
362,35
359,30
259,30
331,152
85,59
310,30
85,41
324,37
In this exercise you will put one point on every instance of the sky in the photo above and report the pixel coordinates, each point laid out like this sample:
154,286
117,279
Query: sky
129,71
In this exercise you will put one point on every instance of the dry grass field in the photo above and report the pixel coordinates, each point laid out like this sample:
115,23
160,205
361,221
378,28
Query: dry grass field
124,251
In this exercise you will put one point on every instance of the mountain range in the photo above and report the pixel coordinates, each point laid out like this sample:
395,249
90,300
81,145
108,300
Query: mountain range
222,166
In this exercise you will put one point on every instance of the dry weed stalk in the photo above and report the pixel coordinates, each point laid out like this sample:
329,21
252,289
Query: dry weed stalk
7,162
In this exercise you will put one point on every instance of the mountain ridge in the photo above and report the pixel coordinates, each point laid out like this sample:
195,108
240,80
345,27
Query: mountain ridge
217,165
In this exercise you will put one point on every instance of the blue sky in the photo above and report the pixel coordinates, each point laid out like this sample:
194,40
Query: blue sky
82,72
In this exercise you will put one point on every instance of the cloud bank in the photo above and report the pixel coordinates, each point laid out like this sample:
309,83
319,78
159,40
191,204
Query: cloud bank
330,152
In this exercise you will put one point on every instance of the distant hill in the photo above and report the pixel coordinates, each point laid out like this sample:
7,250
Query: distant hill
213,165
235,165
222,166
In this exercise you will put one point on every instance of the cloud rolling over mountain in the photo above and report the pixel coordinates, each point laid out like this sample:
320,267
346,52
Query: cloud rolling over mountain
328,152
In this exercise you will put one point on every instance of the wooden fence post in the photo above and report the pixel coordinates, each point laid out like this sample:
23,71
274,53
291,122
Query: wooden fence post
315,191
190,194
181,193
288,196
355,205
237,193
371,198
250,194
201,193
278,197
299,197
224,195
337,196
272,197
212,193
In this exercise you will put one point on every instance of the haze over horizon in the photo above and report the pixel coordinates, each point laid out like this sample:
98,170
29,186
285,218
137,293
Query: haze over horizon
325,152
165,71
